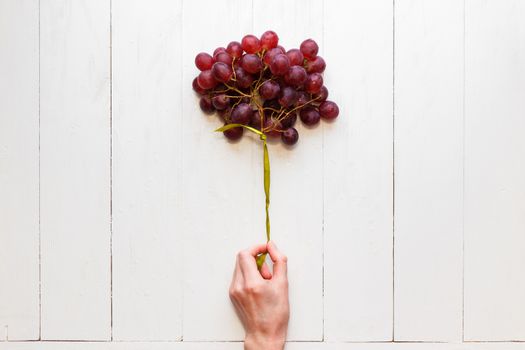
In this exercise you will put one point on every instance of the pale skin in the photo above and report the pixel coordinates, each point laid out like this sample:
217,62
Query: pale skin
260,298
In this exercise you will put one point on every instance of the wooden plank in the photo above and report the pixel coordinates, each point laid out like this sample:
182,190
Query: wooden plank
19,232
358,172
218,192
75,170
495,171
147,254
297,206
428,170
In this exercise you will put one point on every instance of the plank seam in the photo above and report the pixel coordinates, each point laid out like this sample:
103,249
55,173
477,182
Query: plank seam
111,162
393,166
463,182
39,192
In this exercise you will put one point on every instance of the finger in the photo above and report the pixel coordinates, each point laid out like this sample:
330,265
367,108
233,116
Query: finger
248,265
265,272
237,279
280,261
258,249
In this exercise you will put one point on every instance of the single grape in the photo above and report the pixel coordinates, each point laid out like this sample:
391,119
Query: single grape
224,57
328,110
220,101
234,133
313,83
203,61
309,116
317,65
206,80
296,76
287,96
289,120
269,40
272,128
296,57
290,136
197,88
218,51
251,44
309,48
256,120
251,63
269,90
242,114
206,104
322,95
280,64
283,50
225,114
302,98
221,72
270,54
234,49
244,79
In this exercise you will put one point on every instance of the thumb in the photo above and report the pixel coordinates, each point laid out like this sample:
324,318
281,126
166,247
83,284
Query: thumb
280,261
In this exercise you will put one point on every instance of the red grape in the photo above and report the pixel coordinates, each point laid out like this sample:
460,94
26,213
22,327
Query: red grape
224,57
234,49
269,40
269,90
203,61
309,116
206,80
328,110
296,76
251,44
218,51
313,83
302,98
322,95
220,102
242,114
255,120
221,72
289,120
272,127
287,96
296,57
290,136
280,64
206,104
309,49
270,54
317,65
251,63
197,88
244,79
234,133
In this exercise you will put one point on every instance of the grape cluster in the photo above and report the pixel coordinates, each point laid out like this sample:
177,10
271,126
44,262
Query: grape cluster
260,84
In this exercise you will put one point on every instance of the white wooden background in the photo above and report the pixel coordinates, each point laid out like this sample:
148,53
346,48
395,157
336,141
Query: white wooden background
121,210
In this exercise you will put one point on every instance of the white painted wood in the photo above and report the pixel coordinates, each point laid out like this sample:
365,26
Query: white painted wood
495,171
19,233
428,170
75,170
358,172
239,346
218,194
147,254
296,187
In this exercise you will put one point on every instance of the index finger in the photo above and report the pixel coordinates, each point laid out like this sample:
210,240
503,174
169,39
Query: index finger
248,263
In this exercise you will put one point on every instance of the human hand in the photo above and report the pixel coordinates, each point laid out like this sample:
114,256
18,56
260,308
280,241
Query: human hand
261,298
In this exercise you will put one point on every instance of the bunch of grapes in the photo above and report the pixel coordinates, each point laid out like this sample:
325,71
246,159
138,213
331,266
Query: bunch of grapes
260,84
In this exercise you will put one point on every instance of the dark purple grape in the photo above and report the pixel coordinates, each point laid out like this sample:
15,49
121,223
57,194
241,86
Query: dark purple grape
220,101
269,90
206,104
280,64
328,110
269,40
309,49
256,120
242,114
272,128
287,96
302,98
197,88
234,49
296,76
270,54
203,61
251,63
322,95
225,114
309,116
317,65
289,120
313,83
251,44
224,57
206,80
296,57
234,133
290,136
244,79
221,72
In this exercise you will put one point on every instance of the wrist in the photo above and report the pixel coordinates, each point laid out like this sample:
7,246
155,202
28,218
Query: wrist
261,342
